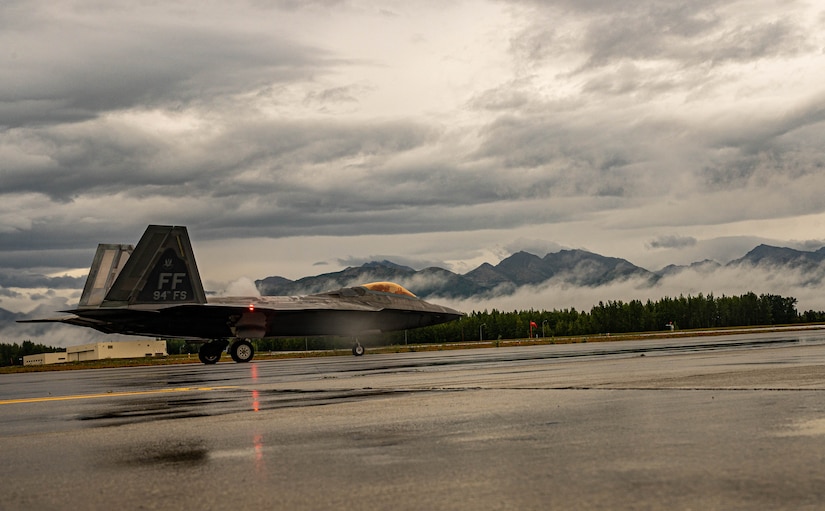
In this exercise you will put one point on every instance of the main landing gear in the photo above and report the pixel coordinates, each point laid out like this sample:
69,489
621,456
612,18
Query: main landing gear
357,349
211,351
240,350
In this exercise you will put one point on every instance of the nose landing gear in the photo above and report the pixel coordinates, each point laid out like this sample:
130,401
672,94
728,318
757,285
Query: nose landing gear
357,349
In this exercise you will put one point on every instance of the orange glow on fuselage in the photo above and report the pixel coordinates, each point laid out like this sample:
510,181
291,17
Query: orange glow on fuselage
388,287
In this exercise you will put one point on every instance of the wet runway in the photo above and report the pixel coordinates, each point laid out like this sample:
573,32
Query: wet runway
734,422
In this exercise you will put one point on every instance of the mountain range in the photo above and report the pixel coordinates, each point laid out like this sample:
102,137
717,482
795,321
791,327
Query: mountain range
567,267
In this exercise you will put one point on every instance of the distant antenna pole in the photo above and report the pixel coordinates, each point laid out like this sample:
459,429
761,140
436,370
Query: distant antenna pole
480,333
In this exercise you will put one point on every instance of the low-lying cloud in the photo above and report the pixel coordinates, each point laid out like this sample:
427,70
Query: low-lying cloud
722,280
672,242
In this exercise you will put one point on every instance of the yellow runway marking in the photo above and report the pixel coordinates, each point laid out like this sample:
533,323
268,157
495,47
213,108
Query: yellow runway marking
110,394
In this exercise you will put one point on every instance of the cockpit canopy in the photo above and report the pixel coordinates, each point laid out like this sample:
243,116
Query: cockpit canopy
388,287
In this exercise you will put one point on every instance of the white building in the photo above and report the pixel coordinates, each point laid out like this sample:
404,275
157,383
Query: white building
100,351
44,358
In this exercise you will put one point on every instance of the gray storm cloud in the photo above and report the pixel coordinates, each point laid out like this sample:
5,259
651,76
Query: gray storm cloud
672,242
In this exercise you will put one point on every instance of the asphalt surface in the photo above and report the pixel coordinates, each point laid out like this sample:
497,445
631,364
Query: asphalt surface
734,422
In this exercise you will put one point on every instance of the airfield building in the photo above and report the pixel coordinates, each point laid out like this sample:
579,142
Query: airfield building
100,351
45,358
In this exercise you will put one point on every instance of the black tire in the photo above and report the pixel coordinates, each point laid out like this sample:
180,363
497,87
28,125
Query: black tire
208,356
242,351
210,353
358,350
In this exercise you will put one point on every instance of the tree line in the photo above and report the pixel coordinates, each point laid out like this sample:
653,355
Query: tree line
12,354
684,312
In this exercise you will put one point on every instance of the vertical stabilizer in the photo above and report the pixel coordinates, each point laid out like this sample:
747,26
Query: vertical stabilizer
108,261
160,271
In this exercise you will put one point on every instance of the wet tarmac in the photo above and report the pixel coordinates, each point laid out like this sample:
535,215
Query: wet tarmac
734,422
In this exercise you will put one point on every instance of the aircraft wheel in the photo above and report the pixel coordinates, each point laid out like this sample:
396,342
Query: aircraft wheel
208,355
242,351
358,350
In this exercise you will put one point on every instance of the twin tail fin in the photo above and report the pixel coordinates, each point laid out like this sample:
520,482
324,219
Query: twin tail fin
160,270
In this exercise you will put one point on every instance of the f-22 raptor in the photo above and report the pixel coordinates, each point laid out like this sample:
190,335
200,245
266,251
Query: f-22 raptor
154,289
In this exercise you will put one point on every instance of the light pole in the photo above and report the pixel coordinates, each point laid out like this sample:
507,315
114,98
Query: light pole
480,334
542,328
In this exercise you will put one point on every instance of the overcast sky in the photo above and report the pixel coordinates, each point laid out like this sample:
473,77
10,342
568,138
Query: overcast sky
296,137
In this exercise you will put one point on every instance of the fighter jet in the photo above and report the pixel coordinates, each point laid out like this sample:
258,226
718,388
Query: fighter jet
154,289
